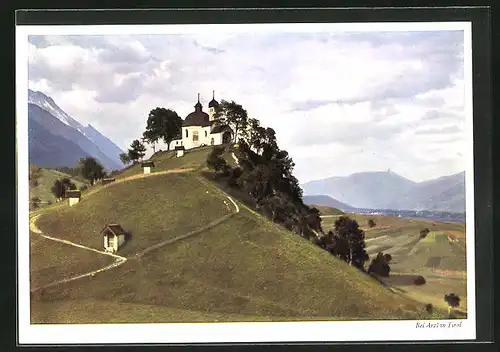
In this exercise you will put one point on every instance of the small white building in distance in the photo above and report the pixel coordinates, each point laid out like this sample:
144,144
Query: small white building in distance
114,237
180,151
147,165
74,196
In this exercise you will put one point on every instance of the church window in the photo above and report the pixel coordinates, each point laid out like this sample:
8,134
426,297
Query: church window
206,134
187,134
195,136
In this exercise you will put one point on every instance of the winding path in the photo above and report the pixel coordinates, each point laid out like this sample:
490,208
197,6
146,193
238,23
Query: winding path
119,259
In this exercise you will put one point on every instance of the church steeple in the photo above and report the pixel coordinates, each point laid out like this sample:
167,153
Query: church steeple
213,103
198,105
211,106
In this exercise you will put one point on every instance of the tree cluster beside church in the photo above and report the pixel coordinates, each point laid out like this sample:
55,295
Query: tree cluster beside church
199,128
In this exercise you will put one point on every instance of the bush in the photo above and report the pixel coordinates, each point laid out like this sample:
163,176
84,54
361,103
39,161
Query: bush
419,280
216,162
452,299
424,233
83,188
35,203
380,265
371,223
429,308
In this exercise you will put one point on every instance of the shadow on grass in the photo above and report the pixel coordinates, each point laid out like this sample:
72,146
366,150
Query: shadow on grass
402,280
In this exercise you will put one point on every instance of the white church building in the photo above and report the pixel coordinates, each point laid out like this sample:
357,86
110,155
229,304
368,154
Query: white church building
199,129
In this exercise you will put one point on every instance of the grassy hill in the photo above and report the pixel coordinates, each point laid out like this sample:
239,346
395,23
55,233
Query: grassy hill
46,181
69,261
152,209
243,268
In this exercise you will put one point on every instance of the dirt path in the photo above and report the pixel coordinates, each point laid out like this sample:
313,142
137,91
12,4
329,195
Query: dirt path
137,177
192,233
119,259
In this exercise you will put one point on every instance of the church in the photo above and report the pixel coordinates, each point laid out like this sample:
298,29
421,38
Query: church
200,128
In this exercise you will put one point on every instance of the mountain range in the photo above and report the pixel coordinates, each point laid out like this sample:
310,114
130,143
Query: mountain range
56,139
388,190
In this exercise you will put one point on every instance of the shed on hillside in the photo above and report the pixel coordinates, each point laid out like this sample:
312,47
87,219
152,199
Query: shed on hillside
180,150
114,237
73,195
147,165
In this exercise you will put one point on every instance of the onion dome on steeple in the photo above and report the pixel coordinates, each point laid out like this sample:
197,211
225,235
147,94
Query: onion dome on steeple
198,106
213,103
197,117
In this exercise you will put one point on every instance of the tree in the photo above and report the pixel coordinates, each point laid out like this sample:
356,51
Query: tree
371,223
91,169
429,308
34,175
35,203
125,158
232,114
337,246
60,186
215,160
137,151
348,229
380,265
453,301
163,124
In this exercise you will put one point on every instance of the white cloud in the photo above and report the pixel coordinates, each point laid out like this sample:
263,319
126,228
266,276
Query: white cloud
339,103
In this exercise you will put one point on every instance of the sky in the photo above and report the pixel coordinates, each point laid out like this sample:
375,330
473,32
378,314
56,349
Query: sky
340,102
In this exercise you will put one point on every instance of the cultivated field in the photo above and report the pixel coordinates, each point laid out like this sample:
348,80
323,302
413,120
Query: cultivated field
440,257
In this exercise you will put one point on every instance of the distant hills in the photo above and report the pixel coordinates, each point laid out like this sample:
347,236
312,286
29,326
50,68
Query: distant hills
326,201
56,139
388,190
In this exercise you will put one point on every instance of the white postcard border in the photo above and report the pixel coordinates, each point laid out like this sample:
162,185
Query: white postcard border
334,331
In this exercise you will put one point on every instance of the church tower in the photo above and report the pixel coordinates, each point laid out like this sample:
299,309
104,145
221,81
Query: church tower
211,107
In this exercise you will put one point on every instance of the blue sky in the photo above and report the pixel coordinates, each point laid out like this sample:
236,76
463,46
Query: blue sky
339,102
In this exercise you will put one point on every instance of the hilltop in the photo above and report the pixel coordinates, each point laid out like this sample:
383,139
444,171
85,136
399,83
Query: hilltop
235,266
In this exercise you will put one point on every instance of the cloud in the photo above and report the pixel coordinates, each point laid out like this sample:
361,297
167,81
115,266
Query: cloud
384,99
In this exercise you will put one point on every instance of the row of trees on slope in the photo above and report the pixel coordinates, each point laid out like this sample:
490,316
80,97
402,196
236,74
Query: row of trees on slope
265,173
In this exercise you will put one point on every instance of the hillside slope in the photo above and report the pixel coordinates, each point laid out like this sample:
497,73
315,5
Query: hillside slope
151,209
244,268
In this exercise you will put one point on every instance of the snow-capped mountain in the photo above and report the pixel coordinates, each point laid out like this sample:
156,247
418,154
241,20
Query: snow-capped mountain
48,104
57,122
